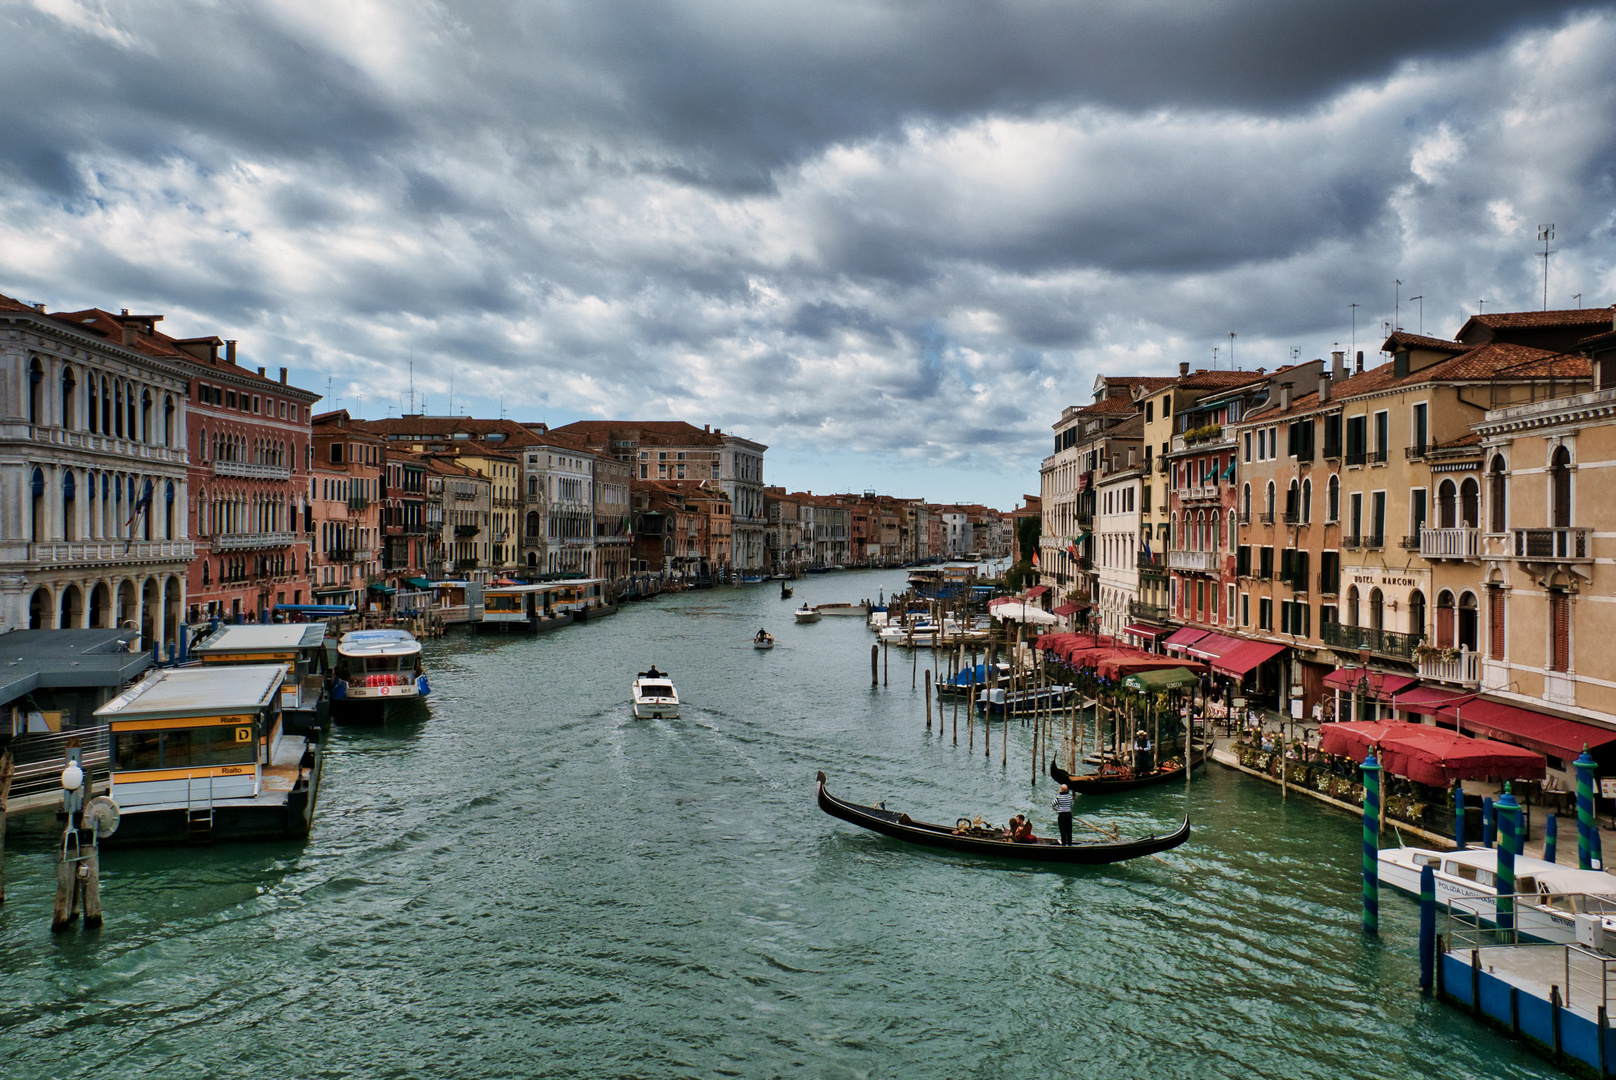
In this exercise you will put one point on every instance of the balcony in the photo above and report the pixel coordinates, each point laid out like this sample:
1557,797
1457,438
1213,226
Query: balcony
1244,517
1351,543
1462,670
1562,545
1293,517
253,541
252,472
1266,517
111,552
467,530
1332,451
1356,457
465,564
1377,457
1152,561
1461,543
1139,609
1418,451
1197,562
1387,643
1375,541
337,555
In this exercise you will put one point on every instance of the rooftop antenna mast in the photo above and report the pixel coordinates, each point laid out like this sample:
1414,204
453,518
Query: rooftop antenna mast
1231,350
1545,233
1421,299
1397,305
412,380
1214,358
1578,298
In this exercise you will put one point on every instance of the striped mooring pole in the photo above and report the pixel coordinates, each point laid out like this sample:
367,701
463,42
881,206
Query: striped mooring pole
1458,816
1371,845
1427,926
1489,822
1551,837
1585,809
1508,812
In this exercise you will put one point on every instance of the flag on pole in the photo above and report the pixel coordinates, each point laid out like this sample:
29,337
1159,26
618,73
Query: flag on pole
142,505
1035,560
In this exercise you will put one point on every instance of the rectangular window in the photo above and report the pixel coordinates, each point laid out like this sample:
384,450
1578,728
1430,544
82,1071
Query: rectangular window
1355,522
1229,608
1329,572
1357,439
1245,609
1383,429
1421,427
1265,614
1242,561
1559,631
1248,447
1495,623
1265,562
1377,502
1327,615
1332,436
1416,513
1150,412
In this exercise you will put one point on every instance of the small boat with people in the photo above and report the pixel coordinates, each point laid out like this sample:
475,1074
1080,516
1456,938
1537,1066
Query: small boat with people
1117,776
1548,894
763,640
969,836
379,673
807,613
655,697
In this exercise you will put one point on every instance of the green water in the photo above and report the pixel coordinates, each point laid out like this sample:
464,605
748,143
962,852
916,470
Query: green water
530,882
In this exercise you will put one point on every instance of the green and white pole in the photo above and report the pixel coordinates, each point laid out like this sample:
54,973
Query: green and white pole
1585,809
1371,845
1509,846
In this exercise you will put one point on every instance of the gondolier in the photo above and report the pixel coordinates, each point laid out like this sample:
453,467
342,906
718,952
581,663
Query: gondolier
1063,814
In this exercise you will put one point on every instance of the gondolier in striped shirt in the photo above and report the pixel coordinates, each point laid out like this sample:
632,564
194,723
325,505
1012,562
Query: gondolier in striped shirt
1063,814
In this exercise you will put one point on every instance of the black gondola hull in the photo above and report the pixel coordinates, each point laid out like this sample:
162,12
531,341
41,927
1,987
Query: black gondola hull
899,827
1099,785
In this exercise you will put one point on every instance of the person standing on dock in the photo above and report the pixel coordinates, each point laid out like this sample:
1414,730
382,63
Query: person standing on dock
1063,814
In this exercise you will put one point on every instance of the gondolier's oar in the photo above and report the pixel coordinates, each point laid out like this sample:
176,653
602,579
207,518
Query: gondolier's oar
1111,834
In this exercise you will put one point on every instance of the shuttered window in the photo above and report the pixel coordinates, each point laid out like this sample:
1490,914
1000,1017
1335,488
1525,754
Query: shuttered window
1559,632
1495,624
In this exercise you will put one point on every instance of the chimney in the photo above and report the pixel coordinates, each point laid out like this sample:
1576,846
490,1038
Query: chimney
1324,389
707,428
1183,368
40,307
1284,397
128,336
1359,370
1338,364
283,376
229,352
260,372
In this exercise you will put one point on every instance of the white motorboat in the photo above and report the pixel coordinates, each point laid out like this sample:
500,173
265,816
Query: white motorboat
1471,875
807,614
654,696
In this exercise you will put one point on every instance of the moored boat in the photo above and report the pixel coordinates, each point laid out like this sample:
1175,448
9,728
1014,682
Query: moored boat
806,614
1471,875
1113,778
305,701
842,609
962,838
654,695
999,700
379,674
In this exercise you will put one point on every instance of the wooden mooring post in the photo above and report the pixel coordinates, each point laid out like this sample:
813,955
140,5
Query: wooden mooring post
6,770
928,699
78,861
875,665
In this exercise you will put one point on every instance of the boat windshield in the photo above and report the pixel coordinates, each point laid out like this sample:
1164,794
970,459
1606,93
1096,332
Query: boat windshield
656,689
374,664
503,604
212,745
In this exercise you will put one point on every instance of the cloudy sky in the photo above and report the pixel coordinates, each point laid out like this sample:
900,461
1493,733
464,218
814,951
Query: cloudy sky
890,238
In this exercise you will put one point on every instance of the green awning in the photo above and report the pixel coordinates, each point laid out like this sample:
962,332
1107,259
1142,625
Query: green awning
388,589
418,583
1166,679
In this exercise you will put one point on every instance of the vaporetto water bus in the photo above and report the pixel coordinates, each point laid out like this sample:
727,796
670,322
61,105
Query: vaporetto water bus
525,609
379,673
200,754
305,703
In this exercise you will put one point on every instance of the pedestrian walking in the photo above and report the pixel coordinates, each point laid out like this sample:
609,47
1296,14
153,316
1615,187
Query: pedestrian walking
1063,814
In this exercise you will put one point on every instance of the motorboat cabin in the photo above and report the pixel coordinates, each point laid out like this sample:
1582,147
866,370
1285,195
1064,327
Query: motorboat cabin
1471,875
200,753
379,673
305,702
807,613
654,696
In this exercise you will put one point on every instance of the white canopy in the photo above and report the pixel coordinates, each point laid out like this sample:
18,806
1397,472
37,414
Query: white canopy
1025,613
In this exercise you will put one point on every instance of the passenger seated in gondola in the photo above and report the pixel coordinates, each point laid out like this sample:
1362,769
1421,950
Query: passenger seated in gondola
1115,770
1021,831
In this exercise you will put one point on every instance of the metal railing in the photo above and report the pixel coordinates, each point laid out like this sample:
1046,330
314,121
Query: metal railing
1153,561
1377,457
39,760
1460,543
1417,451
1352,543
1356,457
1374,540
1387,643
1266,517
1139,609
1555,545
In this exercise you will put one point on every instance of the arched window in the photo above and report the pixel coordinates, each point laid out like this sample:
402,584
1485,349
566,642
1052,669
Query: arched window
37,486
1444,619
1469,628
168,512
93,413
1560,487
1447,510
106,406
117,407
1332,499
1307,500
168,420
1416,614
1470,503
1377,610
69,385
1496,493
1352,605
69,504
1268,508
36,391
1293,496
1245,502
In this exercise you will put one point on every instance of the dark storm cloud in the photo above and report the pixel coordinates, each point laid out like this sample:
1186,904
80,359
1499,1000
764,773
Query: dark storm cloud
866,226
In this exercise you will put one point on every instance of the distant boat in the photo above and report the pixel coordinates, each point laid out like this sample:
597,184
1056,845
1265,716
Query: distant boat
807,614
654,696
763,640
840,609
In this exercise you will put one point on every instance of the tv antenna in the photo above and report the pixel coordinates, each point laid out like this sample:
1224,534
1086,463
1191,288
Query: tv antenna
1545,233
1397,305
1214,358
412,380
1421,299
1354,307
1578,298
1231,350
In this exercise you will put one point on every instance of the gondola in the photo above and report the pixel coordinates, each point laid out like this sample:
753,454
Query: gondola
1093,784
901,827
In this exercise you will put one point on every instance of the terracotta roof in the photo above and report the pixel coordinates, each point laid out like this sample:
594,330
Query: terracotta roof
1218,380
1107,405
660,432
1505,361
1131,428
8,304
1563,317
1404,339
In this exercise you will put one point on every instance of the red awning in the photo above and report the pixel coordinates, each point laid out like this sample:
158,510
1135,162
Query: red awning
1213,646
1123,663
1523,727
1036,591
1429,700
1430,755
1378,684
1184,636
1238,661
1070,609
1150,633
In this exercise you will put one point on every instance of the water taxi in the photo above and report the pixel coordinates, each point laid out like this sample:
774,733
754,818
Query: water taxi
807,613
378,673
654,696
305,702
1471,875
201,754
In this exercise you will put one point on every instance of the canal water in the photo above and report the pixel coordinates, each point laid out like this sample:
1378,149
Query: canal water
530,882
